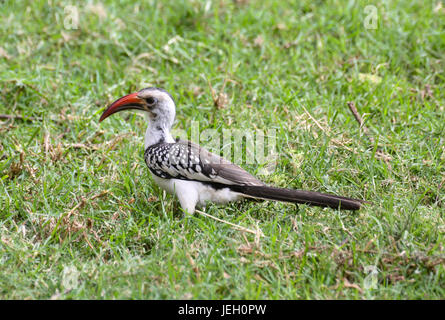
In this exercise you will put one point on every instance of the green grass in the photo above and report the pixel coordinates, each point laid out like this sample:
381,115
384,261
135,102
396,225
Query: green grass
63,236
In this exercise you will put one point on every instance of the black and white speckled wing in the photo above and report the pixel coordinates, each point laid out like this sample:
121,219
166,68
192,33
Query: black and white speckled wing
188,161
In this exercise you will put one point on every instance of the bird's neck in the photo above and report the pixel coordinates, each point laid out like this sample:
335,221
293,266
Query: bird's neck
158,131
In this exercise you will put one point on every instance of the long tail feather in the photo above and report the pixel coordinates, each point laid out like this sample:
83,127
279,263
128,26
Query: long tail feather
300,196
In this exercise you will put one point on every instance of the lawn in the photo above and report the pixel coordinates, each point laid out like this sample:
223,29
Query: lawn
81,218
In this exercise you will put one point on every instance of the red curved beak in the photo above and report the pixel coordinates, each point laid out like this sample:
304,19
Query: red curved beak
130,101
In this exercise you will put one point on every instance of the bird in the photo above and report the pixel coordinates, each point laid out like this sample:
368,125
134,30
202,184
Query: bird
197,176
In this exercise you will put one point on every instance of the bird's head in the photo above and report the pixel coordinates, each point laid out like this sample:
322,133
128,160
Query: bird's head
156,102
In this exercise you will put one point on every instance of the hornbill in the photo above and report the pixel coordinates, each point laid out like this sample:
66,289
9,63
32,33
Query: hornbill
196,175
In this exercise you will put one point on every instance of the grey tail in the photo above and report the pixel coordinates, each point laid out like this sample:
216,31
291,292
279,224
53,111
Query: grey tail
299,196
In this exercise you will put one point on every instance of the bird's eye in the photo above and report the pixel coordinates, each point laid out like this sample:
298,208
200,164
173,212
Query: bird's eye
150,101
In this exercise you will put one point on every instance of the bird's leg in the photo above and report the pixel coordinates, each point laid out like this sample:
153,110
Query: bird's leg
177,209
201,206
187,196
